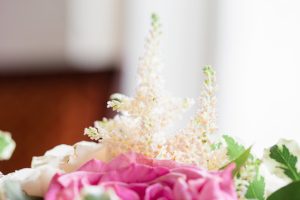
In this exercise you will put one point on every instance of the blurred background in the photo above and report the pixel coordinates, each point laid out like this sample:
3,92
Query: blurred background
61,59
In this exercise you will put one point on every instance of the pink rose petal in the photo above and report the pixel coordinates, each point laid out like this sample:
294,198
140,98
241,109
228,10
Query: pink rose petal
136,177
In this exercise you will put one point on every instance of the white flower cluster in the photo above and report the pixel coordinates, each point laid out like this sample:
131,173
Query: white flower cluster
143,120
194,143
246,176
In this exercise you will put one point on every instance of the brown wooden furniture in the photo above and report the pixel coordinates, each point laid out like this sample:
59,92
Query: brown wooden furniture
42,111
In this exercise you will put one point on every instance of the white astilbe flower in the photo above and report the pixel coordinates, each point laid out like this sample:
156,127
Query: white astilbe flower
205,120
193,144
144,118
247,174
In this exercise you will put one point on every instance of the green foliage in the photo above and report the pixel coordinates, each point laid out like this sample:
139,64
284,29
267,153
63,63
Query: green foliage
287,161
289,192
256,189
239,161
209,72
154,18
241,156
236,153
4,142
234,149
7,145
155,22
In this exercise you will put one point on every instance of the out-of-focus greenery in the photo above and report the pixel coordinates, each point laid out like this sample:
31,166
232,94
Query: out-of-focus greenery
7,145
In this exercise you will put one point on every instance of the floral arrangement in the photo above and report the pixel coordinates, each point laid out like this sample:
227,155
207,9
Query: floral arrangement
137,155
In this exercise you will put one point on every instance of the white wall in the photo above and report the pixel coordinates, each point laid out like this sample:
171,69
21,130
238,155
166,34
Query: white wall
259,69
85,33
254,45
93,32
31,30
184,43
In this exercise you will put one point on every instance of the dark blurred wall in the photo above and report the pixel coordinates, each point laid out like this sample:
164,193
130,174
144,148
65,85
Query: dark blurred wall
42,111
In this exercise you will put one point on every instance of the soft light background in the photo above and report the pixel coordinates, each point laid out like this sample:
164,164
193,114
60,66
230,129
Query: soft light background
254,46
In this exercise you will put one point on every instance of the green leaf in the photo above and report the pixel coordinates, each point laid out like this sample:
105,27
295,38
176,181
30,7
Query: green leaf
4,142
234,149
289,192
7,145
239,155
256,189
240,161
287,160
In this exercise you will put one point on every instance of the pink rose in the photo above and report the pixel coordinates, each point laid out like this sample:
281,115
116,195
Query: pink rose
136,177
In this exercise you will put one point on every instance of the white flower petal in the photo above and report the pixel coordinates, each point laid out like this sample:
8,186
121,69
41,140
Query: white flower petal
69,158
272,181
83,152
62,158
34,182
54,157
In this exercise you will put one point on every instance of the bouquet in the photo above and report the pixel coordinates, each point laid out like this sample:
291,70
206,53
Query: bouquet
137,155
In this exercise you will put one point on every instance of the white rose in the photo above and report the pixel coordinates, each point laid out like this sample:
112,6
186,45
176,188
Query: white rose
62,158
33,181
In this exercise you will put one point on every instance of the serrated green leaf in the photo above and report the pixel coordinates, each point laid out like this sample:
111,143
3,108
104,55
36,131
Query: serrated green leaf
256,189
287,161
234,149
289,192
240,161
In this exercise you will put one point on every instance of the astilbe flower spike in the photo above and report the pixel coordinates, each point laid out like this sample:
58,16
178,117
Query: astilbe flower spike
142,122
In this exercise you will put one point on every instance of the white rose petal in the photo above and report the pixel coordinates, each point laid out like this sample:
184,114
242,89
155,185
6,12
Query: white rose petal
83,152
272,181
54,157
34,182
62,158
